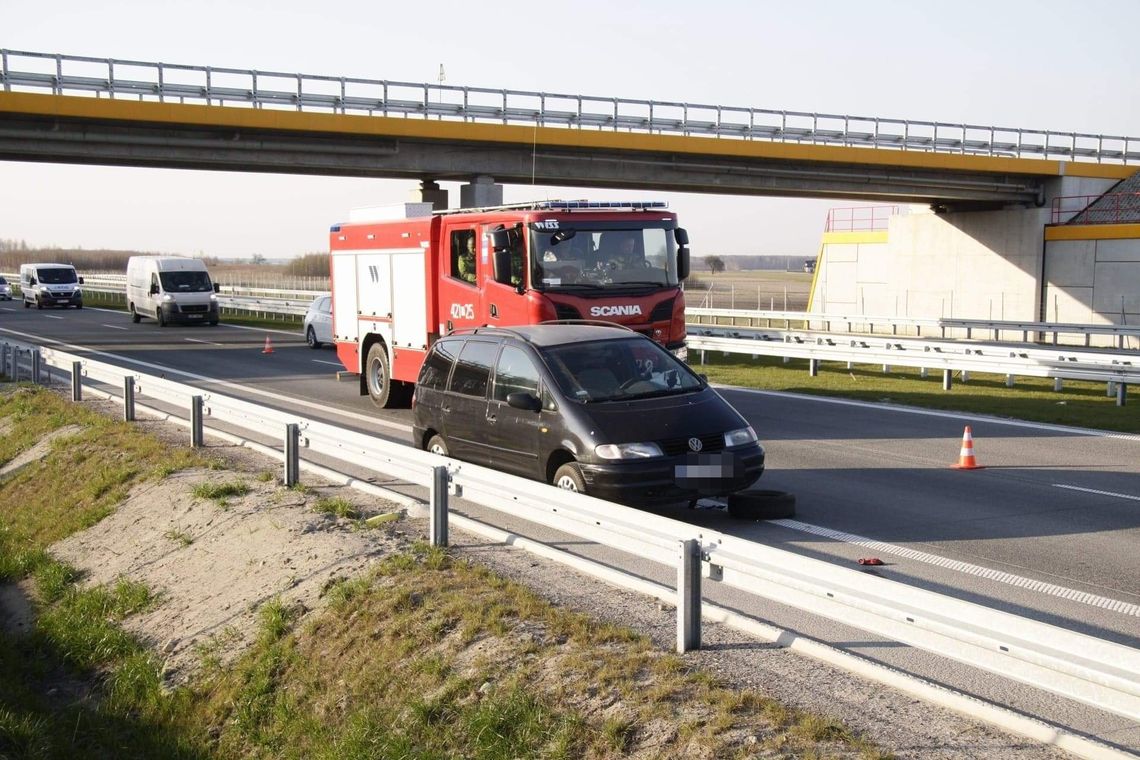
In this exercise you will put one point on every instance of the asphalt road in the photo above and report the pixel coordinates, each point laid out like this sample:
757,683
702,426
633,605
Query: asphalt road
1049,530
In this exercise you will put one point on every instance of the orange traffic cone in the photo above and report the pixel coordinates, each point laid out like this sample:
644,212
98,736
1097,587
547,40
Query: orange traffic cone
268,346
966,460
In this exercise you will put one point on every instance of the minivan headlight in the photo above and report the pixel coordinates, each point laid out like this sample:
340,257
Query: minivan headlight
741,437
627,450
167,298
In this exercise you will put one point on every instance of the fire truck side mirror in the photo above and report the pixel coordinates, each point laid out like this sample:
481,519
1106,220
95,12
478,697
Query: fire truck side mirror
681,235
500,240
502,264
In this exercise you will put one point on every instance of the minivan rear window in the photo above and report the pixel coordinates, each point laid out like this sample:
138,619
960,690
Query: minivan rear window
437,366
473,368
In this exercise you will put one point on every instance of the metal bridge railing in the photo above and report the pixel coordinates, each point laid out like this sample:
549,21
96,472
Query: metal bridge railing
165,82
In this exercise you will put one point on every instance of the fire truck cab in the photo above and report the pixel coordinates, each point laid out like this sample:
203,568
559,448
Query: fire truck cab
403,276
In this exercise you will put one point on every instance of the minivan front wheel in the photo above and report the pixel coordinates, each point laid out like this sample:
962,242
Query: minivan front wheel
568,477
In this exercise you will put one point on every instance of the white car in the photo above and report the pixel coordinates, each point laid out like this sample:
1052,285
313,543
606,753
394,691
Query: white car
318,322
5,290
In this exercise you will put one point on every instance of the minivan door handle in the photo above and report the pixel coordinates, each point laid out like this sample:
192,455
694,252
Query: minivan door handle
492,418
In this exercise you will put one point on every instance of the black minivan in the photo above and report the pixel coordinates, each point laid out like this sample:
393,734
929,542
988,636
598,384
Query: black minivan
590,408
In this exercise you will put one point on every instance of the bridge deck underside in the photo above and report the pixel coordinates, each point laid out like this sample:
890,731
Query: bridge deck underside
46,138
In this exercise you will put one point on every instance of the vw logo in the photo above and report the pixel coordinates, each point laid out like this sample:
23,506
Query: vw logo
695,444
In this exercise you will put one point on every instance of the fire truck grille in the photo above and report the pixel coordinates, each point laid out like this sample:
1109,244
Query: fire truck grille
676,446
562,311
662,311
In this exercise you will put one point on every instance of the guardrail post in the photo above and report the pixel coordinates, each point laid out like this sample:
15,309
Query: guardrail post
1058,383
964,376
437,495
813,367
1009,381
1110,389
4,361
196,422
689,596
35,366
77,381
1121,394
947,379
129,398
292,454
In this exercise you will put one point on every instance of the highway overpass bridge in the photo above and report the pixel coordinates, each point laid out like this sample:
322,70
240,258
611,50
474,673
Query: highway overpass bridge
129,113
986,252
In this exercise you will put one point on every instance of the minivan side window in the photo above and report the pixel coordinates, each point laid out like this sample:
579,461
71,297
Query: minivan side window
437,366
514,373
473,368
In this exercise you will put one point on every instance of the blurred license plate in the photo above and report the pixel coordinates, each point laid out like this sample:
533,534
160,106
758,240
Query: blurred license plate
705,467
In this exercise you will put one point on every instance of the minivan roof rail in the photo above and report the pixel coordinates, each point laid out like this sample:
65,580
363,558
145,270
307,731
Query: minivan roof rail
597,322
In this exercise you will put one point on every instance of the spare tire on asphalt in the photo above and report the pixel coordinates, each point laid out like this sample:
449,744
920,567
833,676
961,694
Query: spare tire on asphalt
762,504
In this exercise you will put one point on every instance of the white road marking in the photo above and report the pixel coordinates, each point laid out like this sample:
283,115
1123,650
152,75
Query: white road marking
115,327
892,408
1098,493
322,361
1114,605
291,400
52,316
207,342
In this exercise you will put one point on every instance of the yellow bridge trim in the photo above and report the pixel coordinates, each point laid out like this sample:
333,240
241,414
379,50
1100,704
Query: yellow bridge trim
1093,232
68,106
857,236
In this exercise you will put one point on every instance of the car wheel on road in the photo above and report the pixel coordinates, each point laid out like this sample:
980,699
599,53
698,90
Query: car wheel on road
39,303
437,445
27,305
568,477
378,377
311,338
762,504
79,305
161,319
135,316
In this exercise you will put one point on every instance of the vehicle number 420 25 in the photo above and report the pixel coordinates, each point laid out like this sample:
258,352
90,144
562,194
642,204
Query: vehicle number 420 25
462,311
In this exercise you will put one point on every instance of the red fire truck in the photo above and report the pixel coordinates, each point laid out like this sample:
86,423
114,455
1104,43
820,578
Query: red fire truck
402,276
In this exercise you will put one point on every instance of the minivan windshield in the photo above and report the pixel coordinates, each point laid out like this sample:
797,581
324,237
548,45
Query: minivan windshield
185,282
618,370
596,256
56,275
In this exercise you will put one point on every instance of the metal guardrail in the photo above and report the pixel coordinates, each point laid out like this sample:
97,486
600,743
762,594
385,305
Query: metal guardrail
164,82
946,357
864,323
1079,667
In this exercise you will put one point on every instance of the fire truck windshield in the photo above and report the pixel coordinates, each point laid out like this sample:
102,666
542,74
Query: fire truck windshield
596,256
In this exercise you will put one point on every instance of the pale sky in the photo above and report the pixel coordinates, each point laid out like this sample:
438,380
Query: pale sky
1037,64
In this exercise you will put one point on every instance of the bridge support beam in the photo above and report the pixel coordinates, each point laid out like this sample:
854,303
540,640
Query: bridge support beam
429,191
480,192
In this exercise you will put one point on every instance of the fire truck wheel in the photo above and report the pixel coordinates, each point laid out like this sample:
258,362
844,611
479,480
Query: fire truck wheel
379,377
762,504
569,477
437,445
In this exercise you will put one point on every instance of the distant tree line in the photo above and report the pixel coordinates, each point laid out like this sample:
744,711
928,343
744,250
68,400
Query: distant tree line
13,253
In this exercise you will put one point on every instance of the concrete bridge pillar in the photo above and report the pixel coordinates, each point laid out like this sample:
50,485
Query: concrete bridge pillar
429,191
481,191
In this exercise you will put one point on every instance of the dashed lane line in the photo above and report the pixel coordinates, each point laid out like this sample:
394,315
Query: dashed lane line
1113,605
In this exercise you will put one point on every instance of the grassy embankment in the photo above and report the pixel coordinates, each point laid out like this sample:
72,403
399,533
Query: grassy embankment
386,671
1080,404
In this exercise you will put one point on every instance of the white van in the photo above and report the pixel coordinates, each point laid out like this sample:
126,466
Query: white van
50,285
170,289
